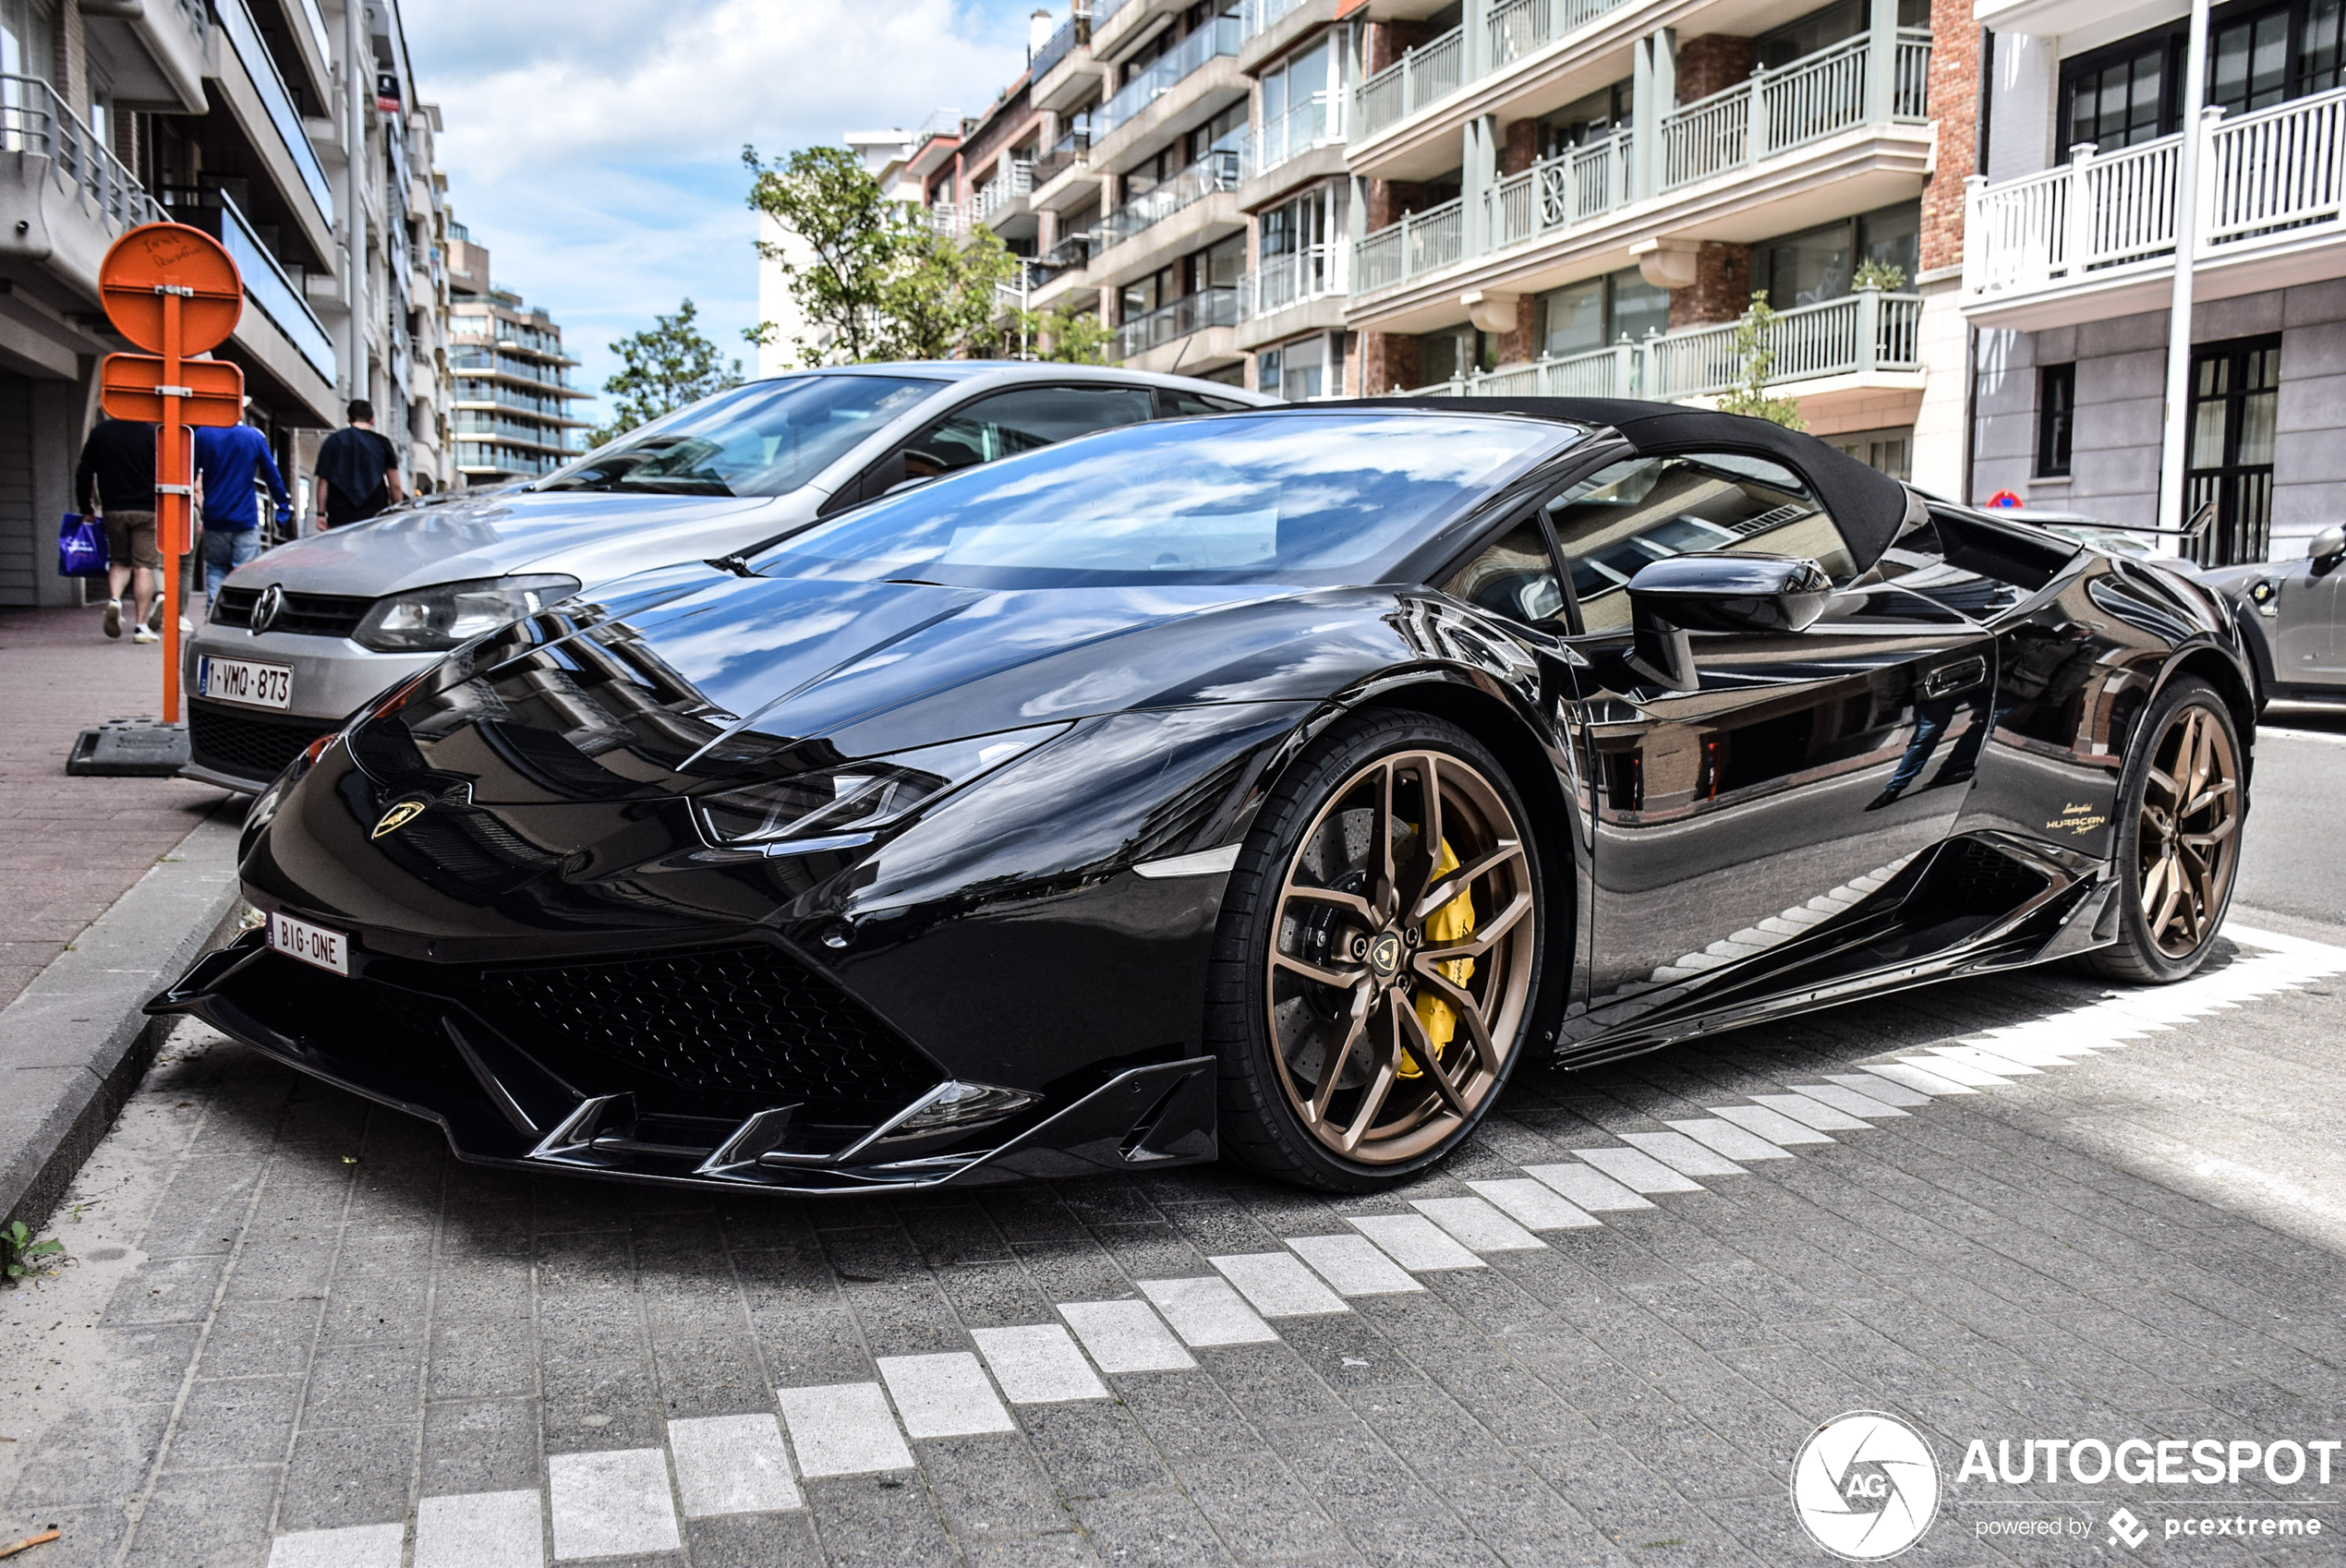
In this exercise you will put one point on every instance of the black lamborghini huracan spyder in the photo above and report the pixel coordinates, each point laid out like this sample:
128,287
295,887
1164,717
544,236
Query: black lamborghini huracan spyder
1270,783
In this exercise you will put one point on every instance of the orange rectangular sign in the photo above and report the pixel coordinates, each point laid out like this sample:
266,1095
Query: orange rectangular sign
210,392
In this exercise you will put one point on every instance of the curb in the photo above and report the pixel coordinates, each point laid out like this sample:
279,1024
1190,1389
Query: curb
76,1043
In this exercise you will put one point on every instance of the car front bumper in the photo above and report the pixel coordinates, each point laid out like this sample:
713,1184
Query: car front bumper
240,746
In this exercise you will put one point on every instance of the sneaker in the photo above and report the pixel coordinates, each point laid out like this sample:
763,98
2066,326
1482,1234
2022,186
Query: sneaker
143,635
113,617
154,614
186,629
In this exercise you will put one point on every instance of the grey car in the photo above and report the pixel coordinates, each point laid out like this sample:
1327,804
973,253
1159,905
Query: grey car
304,634
2295,615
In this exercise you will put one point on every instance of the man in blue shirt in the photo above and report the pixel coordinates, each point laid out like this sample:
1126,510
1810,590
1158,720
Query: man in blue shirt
230,461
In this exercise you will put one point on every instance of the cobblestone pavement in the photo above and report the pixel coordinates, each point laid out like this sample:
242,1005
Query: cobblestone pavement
70,847
296,1334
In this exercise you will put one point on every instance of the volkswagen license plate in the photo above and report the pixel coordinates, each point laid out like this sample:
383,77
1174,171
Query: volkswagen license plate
244,680
310,943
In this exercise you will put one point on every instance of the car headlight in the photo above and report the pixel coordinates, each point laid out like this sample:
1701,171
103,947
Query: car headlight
857,798
435,619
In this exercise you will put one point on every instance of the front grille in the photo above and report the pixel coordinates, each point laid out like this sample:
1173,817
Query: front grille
744,1019
247,746
307,615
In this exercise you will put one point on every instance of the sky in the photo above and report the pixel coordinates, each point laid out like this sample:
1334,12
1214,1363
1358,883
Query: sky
593,146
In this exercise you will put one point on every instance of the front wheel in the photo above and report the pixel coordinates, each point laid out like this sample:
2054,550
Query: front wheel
2178,838
1378,956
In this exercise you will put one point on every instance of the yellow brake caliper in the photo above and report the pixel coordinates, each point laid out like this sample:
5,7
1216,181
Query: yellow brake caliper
1453,922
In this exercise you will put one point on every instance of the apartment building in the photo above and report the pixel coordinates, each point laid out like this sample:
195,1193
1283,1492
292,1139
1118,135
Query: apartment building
512,393
2074,226
288,130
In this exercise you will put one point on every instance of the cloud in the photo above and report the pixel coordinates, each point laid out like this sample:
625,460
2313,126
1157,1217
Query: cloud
594,145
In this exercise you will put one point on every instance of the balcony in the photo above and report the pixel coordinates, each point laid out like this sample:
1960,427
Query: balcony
1217,39
1300,292
71,196
290,141
1214,171
268,289
1557,193
1260,16
2095,238
1868,337
1437,68
1076,29
1316,122
1421,242
1777,110
1189,314
1067,153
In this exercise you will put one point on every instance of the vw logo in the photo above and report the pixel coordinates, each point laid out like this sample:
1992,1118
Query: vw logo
401,813
266,608
1865,1486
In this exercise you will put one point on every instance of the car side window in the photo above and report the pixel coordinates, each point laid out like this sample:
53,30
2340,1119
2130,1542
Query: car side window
1011,422
1640,510
1174,402
1513,576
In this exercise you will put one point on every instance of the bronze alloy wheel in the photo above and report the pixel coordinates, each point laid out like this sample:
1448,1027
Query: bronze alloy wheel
1401,961
2186,840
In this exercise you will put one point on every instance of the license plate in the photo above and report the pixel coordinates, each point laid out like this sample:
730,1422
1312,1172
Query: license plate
310,943
243,681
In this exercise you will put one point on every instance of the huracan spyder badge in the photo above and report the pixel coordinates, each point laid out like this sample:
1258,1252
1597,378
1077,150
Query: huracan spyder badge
1266,784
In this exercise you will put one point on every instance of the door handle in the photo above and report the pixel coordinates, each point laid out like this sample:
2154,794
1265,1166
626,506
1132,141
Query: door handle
1948,679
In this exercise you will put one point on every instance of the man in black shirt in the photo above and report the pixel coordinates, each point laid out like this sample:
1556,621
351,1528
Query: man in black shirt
117,477
357,471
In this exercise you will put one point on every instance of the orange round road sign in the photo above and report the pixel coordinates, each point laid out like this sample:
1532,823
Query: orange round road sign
156,257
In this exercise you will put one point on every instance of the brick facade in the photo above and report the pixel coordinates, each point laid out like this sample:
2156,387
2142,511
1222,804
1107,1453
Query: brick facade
1954,102
1716,62
1721,290
1521,149
1388,361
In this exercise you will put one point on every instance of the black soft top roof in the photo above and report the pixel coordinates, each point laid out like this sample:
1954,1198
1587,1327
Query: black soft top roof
1870,506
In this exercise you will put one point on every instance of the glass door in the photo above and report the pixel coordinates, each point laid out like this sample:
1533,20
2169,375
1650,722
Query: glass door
2235,397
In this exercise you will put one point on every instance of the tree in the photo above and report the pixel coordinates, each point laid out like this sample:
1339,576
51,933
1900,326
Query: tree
1062,334
942,299
858,239
1750,396
661,370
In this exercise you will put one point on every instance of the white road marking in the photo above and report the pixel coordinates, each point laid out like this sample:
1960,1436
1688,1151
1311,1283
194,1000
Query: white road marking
354,1546
1811,1113
1881,1089
1206,1311
1126,1337
1959,1071
732,1465
1478,1226
1985,1060
944,1395
1637,1171
1683,1154
2275,733
1415,1242
1856,1103
611,1504
1588,1186
1353,1265
1773,1125
481,1529
1278,1284
1536,1205
2020,1049
1905,1075
1727,1139
842,1430
1038,1364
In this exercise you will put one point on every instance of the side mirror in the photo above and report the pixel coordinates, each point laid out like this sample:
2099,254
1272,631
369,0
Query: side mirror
2326,546
1716,593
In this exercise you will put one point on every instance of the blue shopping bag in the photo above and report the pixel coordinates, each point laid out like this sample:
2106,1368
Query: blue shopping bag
81,546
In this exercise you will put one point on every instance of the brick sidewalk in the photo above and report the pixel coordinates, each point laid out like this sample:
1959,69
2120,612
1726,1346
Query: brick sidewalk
70,847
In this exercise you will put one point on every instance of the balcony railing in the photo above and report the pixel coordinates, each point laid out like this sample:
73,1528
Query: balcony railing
1065,154
2267,176
1076,29
34,120
267,284
1558,192
1776,111
1216,170
1418,243
1315,122
1000,191
1216,39
1314,273
1191,313
271,84
945,217
1072,251
1255,16
1430,71
1517,27
1864,333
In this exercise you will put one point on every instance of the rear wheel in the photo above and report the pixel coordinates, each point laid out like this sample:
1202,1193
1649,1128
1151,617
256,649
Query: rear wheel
2178,838
1378,956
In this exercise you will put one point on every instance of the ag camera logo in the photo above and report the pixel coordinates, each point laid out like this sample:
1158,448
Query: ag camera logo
1865,1486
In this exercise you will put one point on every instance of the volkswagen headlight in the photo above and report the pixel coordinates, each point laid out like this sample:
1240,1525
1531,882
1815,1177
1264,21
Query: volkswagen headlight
856,798
435,619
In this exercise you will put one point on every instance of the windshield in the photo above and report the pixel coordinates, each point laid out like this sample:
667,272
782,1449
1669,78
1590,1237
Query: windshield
766,439
1289,498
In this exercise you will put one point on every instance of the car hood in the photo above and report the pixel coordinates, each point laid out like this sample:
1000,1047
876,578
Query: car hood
700,677
592,536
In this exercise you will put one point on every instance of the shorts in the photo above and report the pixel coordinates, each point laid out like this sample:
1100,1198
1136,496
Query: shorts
131,539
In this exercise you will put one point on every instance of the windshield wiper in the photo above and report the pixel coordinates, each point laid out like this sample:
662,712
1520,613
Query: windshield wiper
732,564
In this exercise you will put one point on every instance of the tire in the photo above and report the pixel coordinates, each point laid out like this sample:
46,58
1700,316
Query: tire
2176,869
1331,985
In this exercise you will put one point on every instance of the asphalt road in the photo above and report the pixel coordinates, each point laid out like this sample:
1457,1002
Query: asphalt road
2294,857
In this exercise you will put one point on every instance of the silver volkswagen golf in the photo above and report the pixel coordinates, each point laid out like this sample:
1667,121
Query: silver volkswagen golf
307,632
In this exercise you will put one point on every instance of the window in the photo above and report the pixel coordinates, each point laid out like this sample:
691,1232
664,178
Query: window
1583,317
1827,26
1013,422
2056,417
28,40
1452,353
1590,119
2236,396
1298,372
1820,264
764,439
1885,451
2257,55
2248,62
1644,508
1515,577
